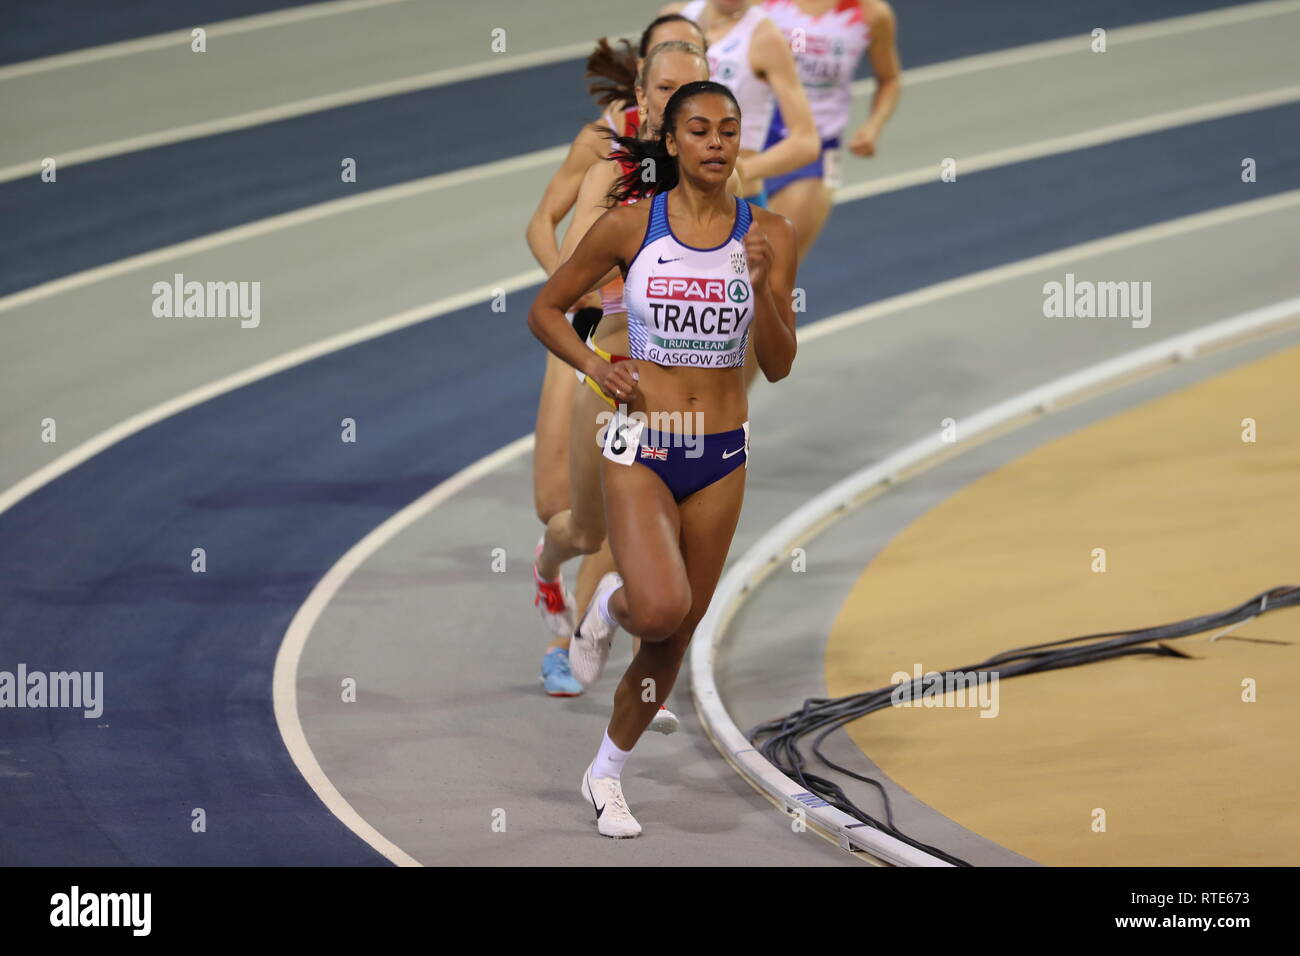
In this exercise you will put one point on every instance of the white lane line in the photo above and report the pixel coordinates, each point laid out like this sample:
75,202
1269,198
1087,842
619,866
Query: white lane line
284,683
160,41
936,71
1051,260
298,217
818,513
1080,44
105,439
547,157
271,114
286,676
1072,141
109,437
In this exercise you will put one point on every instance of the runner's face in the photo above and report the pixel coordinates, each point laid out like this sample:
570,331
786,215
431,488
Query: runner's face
667,73
673,30
706,138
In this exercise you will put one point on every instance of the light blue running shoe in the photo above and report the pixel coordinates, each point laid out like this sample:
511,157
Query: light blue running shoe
556,676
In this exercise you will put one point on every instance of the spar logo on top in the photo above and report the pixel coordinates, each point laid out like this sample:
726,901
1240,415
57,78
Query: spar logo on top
696,321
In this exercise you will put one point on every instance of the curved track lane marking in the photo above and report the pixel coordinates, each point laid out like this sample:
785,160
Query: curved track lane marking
1077,44
286,220
1073,141
857,489
1048,260
160,41
135,423
312,104
157,413
939,71
284,680
505,167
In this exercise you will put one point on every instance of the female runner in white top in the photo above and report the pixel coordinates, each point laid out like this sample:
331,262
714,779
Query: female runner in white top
748,54
828,38
671,516
580,529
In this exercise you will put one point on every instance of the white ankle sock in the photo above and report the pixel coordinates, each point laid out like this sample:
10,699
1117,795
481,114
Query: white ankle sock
609,759
603,606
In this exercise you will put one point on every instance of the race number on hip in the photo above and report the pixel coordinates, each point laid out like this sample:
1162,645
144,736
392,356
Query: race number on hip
622,437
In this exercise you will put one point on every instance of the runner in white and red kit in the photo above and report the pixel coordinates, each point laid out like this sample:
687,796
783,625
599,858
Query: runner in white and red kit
828,38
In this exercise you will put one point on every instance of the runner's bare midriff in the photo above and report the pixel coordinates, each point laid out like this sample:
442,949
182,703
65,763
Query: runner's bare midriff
718,394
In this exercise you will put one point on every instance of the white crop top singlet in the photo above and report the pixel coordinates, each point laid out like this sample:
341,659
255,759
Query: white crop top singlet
828,51
688,306
729,65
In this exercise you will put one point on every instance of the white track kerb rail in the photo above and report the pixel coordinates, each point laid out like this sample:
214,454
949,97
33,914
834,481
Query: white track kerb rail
773,549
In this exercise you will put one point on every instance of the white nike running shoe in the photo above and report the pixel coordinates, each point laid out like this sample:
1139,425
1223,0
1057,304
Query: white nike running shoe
665,722
589,648
613,818
553,600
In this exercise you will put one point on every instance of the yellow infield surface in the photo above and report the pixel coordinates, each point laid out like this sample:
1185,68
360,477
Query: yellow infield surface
1164,751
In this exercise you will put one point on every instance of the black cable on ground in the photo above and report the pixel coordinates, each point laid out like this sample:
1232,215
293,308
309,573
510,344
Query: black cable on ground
778,740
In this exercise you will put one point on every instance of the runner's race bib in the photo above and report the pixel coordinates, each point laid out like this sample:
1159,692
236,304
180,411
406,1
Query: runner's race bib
622,438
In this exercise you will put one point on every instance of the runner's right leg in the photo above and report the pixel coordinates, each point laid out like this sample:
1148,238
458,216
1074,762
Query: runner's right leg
551,496
551,443
579,528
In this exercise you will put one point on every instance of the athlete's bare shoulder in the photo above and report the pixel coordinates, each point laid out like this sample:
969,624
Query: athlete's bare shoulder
877,13
623,227
598,180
